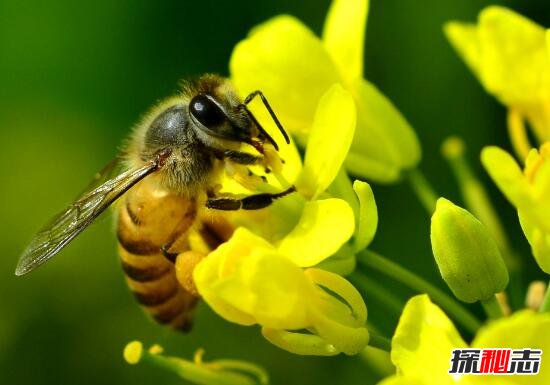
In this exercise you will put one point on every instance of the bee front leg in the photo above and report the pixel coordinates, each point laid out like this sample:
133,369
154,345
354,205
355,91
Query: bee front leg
252,202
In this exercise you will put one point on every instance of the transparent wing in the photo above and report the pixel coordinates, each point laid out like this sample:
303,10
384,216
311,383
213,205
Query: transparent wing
107,172
65,226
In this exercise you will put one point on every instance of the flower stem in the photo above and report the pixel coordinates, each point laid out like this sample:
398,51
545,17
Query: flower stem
392,269
423,190
380,342
492,308
378,360
545,306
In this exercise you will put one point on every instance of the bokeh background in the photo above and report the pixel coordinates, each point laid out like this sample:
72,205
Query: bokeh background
75,76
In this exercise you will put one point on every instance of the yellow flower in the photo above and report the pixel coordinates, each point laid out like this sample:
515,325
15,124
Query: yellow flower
425,338
296,69
249,281
510,55
275,269
528,191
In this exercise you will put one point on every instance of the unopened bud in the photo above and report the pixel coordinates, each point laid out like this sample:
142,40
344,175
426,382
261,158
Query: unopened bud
467,257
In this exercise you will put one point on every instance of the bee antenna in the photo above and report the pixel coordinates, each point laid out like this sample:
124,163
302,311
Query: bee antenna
263,132
270,110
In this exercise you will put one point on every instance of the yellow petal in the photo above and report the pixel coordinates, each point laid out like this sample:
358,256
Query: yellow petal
382,137
329,141
344,35
344,289
423,341
215,272
367,220
324,227
271,288
507,175
349,340
514,55
524,329
539,241
377,170
285,60
464,39
505,172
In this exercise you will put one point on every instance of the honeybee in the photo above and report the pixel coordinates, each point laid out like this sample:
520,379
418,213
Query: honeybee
172,162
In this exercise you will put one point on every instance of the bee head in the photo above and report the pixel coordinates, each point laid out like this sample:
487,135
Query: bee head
220,118
218,114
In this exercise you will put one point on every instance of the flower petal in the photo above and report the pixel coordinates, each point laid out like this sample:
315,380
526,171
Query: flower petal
509,178
505,172
423,341
324,227
539,241
285,60
383,138
344,289
524,329
329,141
515,64
246,281
344,35
367,220
464,39
210,275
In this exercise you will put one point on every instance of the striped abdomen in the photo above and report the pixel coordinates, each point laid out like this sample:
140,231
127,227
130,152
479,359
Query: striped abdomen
151,223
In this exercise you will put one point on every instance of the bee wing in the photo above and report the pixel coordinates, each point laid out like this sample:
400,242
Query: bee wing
66,225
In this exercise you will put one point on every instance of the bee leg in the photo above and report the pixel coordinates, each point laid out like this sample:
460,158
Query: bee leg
252,202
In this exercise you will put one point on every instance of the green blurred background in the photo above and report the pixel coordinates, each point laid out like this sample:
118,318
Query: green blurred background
74,76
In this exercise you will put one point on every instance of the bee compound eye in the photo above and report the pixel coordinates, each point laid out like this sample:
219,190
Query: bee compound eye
206,111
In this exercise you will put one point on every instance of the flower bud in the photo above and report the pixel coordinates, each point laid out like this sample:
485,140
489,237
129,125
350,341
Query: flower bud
467,257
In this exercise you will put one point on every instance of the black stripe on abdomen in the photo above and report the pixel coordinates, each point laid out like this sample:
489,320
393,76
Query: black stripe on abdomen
145,274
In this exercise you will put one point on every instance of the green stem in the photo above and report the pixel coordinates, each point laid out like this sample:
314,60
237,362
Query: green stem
378,291
492,308
392,269
379,342
423,190
545,306
379,360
